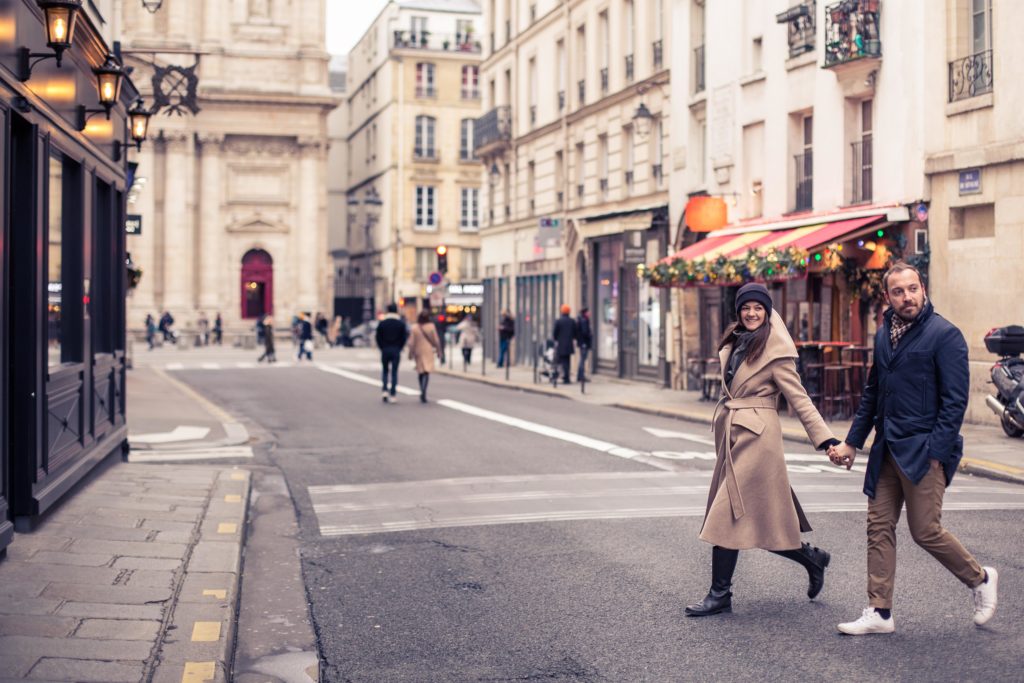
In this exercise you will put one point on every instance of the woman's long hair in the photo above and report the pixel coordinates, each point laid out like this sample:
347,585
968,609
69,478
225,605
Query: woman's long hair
423,318
757,344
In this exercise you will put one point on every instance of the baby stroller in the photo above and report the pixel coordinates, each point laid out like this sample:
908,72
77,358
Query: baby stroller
549,368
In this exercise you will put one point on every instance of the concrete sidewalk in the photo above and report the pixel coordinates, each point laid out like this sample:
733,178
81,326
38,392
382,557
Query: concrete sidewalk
987,451
135,575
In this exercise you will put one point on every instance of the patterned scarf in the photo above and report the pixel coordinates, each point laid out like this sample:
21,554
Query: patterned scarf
897,328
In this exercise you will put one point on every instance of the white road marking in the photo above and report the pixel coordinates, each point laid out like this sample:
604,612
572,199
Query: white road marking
175,366
184,455
210,366
669,434
245,366
356,377
179,433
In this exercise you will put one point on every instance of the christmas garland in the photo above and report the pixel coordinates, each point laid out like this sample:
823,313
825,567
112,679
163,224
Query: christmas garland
770,264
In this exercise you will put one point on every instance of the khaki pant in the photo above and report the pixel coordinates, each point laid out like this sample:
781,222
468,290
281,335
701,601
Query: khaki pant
924,517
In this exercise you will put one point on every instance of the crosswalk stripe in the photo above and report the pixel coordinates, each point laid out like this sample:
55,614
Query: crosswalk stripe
183,455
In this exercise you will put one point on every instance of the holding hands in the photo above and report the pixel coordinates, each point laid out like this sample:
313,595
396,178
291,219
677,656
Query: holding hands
843,455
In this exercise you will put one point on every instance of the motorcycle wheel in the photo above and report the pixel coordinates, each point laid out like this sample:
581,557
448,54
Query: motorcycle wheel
1011,429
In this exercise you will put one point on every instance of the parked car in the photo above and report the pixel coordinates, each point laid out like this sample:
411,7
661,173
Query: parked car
363,334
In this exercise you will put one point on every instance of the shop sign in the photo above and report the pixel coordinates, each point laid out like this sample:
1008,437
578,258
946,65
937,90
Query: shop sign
468,289
635,251
133,224
970,181
549,232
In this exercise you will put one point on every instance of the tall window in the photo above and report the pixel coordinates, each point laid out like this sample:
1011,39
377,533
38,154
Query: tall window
559,178
466,152
805,166
581,63
562,66
55,259
580,170
862,157
602,163
424,147
657,151
464,32
470,220
532,71
425,263
425,195
627,156
425,80
418,27
531,185
470,82
470,264
981,25
629,26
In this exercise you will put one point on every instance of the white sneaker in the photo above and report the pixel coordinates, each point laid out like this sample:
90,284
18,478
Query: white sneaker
870,622
985,597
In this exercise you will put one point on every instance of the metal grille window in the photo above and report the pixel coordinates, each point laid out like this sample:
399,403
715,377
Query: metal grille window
424,146
972,75
425,80
425,195
470,209
466,140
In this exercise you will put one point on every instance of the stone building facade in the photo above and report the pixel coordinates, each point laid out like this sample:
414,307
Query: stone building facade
234,210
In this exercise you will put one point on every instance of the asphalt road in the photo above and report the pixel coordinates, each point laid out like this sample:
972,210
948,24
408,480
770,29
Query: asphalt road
493,535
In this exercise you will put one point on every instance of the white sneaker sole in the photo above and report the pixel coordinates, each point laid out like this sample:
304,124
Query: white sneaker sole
849,630
982,619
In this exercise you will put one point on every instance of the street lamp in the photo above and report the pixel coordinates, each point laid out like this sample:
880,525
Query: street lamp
152,5
642,119
495,174
61,18
138,115
109,78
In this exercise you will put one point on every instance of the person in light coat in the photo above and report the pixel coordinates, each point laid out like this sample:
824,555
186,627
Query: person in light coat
469,336
751,503
424,345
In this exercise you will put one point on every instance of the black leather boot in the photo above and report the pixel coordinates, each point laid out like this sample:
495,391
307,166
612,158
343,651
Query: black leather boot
719,598
814,560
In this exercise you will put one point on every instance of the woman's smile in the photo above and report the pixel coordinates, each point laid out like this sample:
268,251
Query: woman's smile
752,315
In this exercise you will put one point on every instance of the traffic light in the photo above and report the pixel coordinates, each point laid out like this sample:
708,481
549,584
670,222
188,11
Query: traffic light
442,258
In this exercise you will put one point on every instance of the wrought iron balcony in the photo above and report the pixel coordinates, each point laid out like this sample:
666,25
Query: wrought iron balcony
860,171
425,154
426,40
698,69
852,32
629,68
561,100
970,76
493,131
579,190
582,86
804,181
604,81
801,27
629,179
659,55
533,114
656,172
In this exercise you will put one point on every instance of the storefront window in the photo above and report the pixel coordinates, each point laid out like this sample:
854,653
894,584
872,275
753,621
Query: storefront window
650,315
609,259
55,282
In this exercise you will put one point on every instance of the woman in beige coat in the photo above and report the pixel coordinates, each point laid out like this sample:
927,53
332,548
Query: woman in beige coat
751,504
423,346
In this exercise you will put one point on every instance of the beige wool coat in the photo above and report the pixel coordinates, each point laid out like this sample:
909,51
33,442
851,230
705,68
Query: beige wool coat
751,503
424,345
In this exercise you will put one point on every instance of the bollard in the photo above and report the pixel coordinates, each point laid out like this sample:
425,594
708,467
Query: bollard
508,360
535,360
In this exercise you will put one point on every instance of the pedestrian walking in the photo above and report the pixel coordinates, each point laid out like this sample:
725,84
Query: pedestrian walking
203,330
321,328
469,335
258,327
915,399
150,330
564,335
506,331
305,336
391,336
424,345
218,330
584,341
166,327
751,503
268,341
334,334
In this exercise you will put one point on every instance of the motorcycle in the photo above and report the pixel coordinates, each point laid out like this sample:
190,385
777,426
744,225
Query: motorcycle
1008,377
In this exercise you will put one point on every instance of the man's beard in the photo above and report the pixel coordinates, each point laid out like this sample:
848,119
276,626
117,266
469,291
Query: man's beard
924,301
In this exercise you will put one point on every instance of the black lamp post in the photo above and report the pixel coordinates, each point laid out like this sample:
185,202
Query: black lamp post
642,119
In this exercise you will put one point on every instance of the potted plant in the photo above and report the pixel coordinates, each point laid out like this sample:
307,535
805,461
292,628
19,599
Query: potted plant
446,43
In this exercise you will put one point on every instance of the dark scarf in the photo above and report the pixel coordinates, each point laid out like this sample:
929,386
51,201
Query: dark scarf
740,345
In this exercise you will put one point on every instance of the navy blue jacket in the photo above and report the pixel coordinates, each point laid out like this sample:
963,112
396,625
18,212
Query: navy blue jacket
564,335
392,333
915,398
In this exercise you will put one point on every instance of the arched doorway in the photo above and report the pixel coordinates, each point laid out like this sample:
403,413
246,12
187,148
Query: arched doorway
257,284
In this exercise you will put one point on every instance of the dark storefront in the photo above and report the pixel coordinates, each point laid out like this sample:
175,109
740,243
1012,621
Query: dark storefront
62,273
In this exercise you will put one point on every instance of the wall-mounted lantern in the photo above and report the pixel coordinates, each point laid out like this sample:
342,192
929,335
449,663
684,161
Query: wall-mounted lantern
109,78
61,17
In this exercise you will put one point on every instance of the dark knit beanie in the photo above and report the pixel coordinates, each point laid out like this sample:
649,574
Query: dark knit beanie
754,291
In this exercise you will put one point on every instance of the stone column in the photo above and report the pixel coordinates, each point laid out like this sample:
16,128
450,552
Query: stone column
307,258
177,19
178,225
213,256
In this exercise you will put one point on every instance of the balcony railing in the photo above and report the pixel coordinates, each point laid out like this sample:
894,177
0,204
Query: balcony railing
561,100
629,179
425,154
970,76
860,171
582,86
804,181
629,68
603,184
493,130
559,200
579,190
698,69
801,27
426,40
426,91
604,81
533,114
659,55
656,173
852,32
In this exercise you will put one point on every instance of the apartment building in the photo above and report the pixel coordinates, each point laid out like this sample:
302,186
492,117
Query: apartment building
574,146
413,181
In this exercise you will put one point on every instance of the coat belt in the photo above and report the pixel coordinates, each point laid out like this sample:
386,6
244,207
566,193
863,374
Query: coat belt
731,405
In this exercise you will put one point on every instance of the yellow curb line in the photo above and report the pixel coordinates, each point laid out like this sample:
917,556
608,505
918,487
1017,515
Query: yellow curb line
197,672
1006,469
220,593
232,498
206,632
227,528
213,408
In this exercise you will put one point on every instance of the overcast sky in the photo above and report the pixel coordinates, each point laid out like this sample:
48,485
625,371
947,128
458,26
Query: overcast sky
347,21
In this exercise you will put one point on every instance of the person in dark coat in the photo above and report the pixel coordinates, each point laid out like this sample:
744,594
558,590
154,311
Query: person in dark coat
506,331
584,340
305,329
218,330
564,335
391,335
150,330
268,341
915,400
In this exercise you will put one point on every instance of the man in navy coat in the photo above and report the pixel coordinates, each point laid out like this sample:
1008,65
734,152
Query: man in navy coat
915,399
